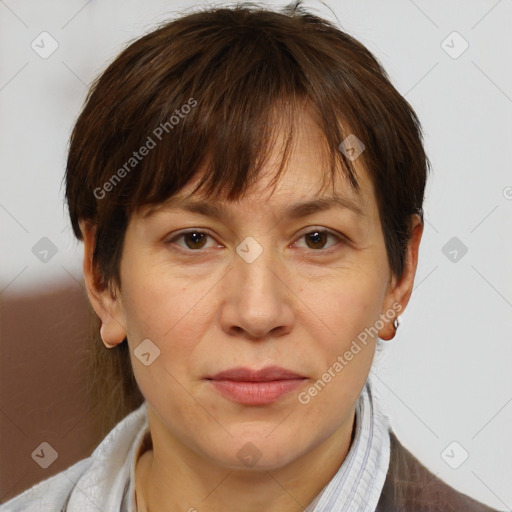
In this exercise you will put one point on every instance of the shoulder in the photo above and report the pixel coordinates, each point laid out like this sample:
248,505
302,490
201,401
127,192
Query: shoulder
103,474
49,495
410,486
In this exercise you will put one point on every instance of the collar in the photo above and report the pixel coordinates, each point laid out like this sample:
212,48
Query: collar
358,483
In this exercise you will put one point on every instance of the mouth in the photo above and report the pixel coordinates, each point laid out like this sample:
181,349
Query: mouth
255,387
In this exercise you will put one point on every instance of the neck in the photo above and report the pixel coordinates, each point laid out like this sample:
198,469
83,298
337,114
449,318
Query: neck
171,482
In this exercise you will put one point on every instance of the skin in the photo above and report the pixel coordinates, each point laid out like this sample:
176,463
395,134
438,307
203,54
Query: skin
299,305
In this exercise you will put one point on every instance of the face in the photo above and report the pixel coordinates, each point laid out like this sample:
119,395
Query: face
253,288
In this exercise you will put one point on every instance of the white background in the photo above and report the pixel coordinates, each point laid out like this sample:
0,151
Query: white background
447,374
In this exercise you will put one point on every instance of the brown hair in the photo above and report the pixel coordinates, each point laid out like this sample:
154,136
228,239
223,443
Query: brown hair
211,87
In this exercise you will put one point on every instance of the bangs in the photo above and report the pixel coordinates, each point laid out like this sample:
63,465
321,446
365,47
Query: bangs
228,152
221,109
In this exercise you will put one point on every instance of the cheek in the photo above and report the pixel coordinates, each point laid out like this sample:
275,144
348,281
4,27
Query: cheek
168,308
344,343
343,306
156,300
344,339
161,311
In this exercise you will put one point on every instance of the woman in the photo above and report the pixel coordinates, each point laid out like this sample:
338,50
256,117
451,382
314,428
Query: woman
248,186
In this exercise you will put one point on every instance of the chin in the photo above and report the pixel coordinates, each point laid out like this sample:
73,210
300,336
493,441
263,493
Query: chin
256,452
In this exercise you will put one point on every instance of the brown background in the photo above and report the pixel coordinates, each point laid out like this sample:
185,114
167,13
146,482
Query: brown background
43,376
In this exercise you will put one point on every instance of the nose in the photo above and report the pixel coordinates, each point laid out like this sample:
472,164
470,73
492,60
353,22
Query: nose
258,301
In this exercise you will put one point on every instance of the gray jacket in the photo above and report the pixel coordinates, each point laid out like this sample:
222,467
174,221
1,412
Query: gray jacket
411,487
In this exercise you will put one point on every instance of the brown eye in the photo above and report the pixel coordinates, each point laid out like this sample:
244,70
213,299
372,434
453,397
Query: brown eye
193,239
317,239
196,239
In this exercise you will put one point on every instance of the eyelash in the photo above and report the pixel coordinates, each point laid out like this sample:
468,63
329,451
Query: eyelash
341,238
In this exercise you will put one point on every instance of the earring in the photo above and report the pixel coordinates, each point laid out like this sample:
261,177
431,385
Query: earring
108,345
396,323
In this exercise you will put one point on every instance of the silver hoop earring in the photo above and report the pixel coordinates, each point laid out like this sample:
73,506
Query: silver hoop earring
396,323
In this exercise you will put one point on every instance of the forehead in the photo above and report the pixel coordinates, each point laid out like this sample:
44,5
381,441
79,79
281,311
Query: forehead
305,185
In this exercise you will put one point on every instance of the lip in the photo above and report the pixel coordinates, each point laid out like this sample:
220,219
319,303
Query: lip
255,387
244,374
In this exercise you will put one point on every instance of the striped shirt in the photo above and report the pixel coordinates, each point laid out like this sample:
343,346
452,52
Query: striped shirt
358,484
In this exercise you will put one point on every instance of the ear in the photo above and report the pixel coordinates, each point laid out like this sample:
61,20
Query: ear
106,302
399,292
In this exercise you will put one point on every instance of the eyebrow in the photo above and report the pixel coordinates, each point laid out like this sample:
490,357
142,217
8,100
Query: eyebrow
293,211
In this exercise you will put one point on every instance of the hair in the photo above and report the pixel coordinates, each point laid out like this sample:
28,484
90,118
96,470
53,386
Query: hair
213,87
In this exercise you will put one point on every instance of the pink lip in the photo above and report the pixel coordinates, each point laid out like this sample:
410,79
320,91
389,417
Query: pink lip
255,387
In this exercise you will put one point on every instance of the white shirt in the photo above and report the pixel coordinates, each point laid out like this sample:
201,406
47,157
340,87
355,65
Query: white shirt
105,480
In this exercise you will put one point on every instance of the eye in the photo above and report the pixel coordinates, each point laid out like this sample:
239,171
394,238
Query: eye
316,239
194,239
